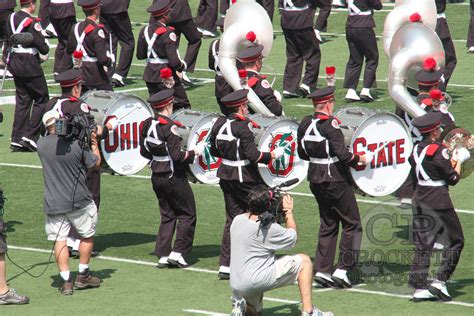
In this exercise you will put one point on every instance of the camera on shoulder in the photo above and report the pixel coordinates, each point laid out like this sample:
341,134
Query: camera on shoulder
76,127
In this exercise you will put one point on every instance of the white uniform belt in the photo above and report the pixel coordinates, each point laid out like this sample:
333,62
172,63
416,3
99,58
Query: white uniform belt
21,50
89,59
295,8
157,60
161,158
441,15
324,161
62,1
360,13
236,163
431,183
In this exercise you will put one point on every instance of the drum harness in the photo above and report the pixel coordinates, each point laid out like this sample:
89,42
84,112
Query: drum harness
317,137
420,171
80,43
24,23
239,163
152,137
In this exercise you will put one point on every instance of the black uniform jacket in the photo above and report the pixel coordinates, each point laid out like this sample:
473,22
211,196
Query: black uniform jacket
241,128
165,47
364,20
167,132
297,19
25,64
437,165
264,91
328,127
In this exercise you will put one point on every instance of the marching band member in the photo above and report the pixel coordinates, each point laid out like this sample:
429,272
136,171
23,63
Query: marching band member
63,19
362,43
157,44
470,33
323,16
321,142
232,140
251,59
206,17
442,29
438,105
433,210
161,143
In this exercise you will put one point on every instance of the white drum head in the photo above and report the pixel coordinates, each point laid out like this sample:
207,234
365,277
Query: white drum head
280,132
390,167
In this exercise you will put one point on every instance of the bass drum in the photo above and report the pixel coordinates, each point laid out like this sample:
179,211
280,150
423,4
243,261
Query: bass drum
388,137
276,132
197,127
121,149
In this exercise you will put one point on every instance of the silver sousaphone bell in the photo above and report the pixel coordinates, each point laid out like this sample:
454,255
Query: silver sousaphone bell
458,137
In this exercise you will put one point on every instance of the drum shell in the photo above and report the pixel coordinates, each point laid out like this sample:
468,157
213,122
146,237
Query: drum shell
121,149
196,127
274,132
385,133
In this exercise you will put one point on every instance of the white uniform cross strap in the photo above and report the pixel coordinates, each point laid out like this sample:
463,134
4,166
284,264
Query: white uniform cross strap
420,171
413,129
225,134
80,44
151,53
289,6
58,106
17,30
152,137
354,10
317,137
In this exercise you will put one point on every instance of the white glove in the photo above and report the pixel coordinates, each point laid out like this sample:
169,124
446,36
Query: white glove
277,95
113,123
43,58
199,149
462,154
111,56
279,152
369,156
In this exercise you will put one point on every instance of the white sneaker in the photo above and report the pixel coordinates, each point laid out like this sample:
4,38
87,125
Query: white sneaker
224,273
340,279
50,29
7,75
471,50
117,80
438,289
305,90
177,260
185,78
163,262
352,95
317,312
238,306
422,295
405,203
365,95
323,279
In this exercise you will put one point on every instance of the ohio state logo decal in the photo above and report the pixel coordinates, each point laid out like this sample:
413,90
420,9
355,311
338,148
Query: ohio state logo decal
283,166
206,161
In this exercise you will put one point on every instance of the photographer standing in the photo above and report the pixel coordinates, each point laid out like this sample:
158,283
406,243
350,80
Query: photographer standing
67,201
254,268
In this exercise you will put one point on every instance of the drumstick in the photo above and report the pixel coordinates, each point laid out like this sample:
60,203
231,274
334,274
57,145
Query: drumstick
137,106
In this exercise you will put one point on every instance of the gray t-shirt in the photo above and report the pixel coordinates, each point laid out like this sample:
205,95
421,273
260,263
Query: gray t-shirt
64,170
252,253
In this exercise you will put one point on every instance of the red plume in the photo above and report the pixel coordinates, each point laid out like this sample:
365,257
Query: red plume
251,36
415,17
242,73
331,70
165,73
429,64
436,94
78,54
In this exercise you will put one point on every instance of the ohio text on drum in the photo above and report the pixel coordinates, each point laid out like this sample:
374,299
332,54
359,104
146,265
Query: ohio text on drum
121,149
197,128
273,132
383,133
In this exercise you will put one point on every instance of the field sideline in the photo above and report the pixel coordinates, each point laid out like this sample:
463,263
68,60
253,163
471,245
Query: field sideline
129,215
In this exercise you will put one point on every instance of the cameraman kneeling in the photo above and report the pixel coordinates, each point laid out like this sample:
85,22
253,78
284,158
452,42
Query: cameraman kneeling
67,201
254,268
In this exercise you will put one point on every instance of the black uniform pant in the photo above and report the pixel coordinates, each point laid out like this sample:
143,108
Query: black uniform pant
362,44
442,29
64,27
324,12
180,97
207,15
189,29
337,205
236,203
301,45
430,225
44,13
470,32
221,89
223,7
3,240
31,98
178,213
120,27
4,14
269,6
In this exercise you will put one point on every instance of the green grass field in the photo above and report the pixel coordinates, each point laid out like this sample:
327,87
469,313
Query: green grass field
129,216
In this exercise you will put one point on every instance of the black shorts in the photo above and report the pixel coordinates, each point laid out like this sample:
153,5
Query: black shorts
3,242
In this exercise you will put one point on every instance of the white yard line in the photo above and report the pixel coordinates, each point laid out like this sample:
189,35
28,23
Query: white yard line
271,299
201,312
463,211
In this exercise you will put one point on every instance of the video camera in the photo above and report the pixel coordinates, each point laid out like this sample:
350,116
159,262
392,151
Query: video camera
275,211
76,127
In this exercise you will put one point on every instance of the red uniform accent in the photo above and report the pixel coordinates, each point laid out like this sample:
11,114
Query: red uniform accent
73,99
162,121
240,117
432,149
178,123
101,26
161,30
171,28
252,82
28,22
89,28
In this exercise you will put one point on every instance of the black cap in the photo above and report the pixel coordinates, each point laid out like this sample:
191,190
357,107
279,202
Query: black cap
220,22
236,98
250,54
430,74
69,78
159,8
322,95
428,122
88,4
161,99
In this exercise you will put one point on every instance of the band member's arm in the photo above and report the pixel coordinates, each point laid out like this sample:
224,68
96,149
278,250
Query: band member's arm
212,139
447,172
100,45
301,131
173,142
375,4
95,151
142,47
266,94
143,151
247,141
38,39
336,143
174,61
